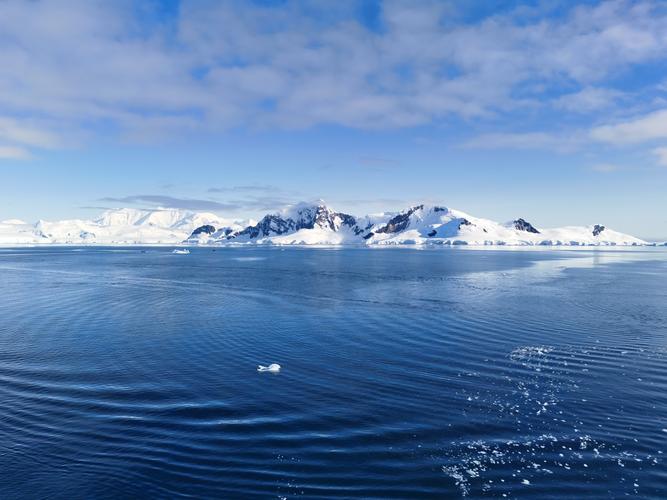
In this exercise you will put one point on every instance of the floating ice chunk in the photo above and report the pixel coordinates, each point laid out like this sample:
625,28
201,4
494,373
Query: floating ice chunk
273,368
181,251
525,481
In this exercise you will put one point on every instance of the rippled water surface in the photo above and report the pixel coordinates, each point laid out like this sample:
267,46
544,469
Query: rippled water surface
405,373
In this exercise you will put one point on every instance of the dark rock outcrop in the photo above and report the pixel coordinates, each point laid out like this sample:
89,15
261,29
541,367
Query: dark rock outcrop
400,222
465,222
597,229
270,224
205,229
523,225
305,218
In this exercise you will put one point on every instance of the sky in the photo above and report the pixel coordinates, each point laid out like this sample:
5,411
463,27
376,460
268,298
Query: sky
554,111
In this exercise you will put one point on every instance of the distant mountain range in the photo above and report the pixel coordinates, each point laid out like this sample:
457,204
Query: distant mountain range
123,226
303,224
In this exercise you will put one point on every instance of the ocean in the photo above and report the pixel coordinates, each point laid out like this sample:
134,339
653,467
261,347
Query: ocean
405,373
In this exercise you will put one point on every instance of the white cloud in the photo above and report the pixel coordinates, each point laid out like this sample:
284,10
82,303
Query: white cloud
13,153
15,131
661,154
17,137
645,128
588,99
227,64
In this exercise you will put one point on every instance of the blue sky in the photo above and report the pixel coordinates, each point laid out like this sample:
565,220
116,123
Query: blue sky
552,111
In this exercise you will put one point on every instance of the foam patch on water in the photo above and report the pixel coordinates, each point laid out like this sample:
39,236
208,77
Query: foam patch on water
530,353
530,459
529,402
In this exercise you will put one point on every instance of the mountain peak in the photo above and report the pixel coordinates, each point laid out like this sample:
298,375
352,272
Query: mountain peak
523,225
304,223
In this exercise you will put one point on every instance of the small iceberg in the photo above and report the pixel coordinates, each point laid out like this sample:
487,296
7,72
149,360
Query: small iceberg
273,368
181,251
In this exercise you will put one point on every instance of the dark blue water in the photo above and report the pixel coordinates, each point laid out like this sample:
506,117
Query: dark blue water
406,373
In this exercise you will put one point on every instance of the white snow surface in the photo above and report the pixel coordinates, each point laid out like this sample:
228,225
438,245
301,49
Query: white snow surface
123,226
302,224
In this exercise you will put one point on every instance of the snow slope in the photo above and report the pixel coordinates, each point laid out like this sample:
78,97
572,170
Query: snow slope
303,224
441,225
124,226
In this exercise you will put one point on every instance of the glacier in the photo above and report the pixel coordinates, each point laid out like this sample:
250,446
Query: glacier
303,224
123,226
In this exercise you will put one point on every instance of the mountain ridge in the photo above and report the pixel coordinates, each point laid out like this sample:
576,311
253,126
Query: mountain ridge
303,224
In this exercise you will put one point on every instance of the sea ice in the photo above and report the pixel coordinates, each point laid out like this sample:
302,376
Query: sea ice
273,368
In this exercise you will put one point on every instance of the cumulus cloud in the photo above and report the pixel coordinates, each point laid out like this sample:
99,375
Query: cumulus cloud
641,129
68,68
21,135
587,100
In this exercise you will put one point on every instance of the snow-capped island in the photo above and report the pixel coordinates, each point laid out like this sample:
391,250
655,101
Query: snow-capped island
303,224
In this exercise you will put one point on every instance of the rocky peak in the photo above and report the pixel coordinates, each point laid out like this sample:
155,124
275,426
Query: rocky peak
297,218
328,219
523,225
400,222
271,224
597,229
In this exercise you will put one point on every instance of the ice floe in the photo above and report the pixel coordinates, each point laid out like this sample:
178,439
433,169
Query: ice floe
273,368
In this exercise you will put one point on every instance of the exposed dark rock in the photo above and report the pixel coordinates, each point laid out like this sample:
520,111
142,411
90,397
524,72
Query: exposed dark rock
523,225
306,218
205,229
597,229
399,222
325,218
465,222
270,224
432,233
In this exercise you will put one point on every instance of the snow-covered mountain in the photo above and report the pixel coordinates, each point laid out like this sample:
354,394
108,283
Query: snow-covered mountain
303,224
317,224
123,226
